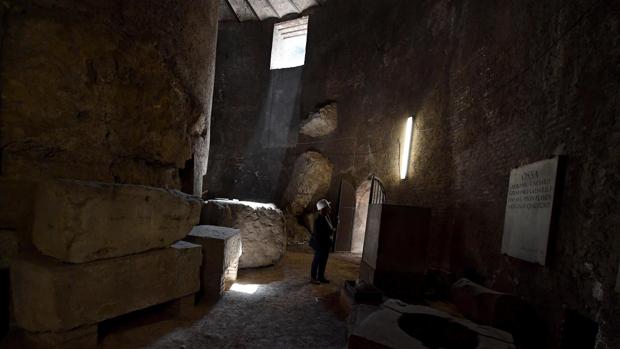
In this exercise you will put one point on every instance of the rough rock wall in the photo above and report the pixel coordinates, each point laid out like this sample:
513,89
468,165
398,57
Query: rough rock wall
113,91
492,85
309,182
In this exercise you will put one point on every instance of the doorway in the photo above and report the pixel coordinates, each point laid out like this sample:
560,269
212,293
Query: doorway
362,199
353,212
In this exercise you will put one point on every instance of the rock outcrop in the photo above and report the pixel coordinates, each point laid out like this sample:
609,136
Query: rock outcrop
9,247
295,232
78,221
94,91
16,204
310,181
321,123
262,228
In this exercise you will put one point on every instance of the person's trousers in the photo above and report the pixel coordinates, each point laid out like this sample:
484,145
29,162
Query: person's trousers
319,263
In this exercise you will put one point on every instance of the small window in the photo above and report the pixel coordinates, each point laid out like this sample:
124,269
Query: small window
289,43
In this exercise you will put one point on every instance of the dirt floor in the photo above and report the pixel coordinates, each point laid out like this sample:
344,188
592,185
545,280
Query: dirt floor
284,311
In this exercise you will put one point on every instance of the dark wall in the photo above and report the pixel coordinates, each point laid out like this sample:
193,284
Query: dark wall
256,116
493,85
106,90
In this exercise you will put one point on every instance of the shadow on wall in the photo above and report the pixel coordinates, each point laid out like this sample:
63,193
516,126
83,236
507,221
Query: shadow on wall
258,171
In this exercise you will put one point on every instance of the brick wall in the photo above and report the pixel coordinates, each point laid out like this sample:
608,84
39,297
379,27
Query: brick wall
493,85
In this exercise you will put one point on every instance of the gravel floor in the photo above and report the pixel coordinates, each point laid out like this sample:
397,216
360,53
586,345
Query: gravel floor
285,311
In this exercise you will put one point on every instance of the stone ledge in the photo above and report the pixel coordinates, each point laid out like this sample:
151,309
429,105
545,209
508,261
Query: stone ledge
49,295
77,221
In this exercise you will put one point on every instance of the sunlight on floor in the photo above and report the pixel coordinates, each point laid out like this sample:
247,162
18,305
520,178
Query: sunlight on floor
249,289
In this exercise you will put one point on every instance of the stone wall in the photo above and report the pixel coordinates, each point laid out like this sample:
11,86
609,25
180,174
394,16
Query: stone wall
255,116
492,85
113,91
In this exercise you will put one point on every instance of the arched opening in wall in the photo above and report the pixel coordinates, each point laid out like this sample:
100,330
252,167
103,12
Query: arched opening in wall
369,191
186,175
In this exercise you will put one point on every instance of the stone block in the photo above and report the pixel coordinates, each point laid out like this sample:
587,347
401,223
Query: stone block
262,228
221,249
475,301
9,247
79,338
5,302
77,221
16,204
296,233
399,325
49,295
182,307
488,307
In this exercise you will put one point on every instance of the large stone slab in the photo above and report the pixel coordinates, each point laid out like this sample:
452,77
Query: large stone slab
221,249
49,295
9,247
80,338
78,221
16,204
262,228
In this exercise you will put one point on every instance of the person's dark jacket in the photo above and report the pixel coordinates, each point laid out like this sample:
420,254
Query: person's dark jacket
322,234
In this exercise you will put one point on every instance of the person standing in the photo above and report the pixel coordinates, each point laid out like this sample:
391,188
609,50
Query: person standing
321,242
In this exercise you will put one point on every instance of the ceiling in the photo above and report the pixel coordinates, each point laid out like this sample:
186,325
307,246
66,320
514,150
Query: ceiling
258,10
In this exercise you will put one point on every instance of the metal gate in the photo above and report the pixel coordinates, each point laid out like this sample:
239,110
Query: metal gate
377,190
347,207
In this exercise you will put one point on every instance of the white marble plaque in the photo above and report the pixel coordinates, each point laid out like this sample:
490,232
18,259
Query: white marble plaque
528,210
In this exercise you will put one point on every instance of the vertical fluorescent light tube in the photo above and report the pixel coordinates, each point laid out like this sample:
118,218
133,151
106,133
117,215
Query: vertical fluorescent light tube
404,161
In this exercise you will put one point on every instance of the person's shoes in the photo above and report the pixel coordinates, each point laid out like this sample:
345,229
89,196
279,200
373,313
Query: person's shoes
315,281
323,281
